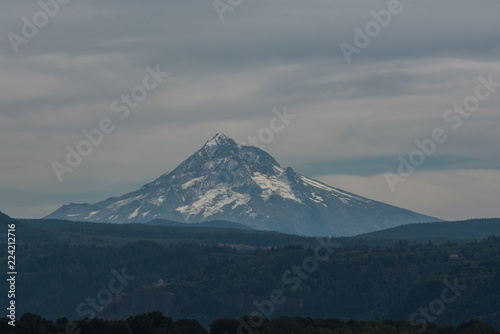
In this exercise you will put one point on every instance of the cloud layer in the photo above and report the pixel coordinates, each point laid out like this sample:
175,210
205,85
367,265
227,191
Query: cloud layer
352,118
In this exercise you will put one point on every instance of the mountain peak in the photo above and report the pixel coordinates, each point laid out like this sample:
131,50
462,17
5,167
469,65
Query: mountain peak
220,139
244,184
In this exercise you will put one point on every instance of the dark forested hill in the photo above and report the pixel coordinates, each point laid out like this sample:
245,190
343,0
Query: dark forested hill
462,231
212,223
209,282
4,218
358,283
220,232
71,269
210,233
157,323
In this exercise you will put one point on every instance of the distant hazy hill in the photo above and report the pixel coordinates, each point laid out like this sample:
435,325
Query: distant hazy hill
213,223
214,232
457,230
161,231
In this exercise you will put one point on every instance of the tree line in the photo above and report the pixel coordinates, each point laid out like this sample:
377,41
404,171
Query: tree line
157,323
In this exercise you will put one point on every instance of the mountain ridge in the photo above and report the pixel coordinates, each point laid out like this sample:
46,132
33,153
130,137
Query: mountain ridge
246,185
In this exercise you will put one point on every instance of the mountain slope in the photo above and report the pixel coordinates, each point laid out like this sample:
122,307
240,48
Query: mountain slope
243,184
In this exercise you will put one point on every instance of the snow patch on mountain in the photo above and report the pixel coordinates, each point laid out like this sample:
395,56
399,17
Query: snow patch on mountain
134,214
158,201
192,182
337,192
126,201
93,213
214,201
316,198
274,185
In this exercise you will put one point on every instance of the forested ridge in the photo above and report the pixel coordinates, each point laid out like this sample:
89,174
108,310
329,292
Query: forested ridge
157,323
201,277
211,282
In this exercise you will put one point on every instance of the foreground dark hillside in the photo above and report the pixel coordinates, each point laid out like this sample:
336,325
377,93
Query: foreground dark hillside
79,270
157,323
359,283
211,282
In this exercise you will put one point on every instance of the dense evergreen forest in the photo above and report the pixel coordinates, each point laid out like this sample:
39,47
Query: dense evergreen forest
157,323
208,274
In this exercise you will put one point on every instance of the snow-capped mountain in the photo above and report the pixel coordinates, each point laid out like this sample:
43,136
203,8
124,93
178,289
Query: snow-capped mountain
244,184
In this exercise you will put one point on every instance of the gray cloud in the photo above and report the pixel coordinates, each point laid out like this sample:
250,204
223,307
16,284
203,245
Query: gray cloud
227,77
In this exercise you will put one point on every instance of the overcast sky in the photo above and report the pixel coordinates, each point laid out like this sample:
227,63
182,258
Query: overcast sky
354,119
